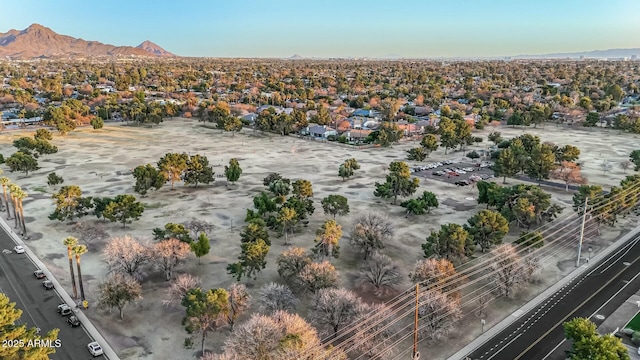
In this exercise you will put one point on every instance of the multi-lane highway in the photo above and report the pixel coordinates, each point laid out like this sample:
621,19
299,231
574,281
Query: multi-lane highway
538,334
38,305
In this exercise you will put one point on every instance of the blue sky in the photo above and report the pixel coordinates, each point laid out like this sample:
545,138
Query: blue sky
326,28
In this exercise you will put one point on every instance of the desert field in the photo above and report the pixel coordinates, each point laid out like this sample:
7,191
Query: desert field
100,162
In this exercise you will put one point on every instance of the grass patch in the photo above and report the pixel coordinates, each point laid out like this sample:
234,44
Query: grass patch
634,323
40,189
153,205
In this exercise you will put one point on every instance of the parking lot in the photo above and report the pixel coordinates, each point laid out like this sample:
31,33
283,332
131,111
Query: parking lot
455,172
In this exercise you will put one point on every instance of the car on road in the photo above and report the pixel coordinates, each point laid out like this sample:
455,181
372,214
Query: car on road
73,321
48,285
18,249
64,310
462,182
39,274
95,349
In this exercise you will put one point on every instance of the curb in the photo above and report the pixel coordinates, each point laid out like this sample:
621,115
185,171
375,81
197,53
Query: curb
493,331
62,293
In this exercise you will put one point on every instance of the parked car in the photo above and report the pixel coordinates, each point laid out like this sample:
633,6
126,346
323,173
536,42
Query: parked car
48,285
460,172
468,169
39,274
95,349
439,173
447,162
453,173
64,310
73,321
462,182
484,176
18,249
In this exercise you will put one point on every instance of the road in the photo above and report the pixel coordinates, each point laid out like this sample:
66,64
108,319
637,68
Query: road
38,305
538,334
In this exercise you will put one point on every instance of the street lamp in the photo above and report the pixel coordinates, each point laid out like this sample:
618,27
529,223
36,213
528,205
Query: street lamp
590,249
482,321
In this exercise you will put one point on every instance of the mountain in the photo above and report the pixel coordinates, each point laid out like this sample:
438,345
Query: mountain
153,48
40,41
296,57
609,53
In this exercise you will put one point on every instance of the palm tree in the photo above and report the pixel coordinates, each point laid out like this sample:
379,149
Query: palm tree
5,182
13,190
80,250
21,195
71,242
0,181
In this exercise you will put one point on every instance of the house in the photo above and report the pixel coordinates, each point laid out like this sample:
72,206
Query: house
362,112
408,128
249,118
357,135
357,122
318,131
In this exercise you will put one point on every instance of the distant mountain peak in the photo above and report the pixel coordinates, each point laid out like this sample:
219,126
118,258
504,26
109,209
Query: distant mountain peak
296,57
153,48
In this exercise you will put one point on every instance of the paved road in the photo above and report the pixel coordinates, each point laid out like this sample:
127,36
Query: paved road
538,334
38,305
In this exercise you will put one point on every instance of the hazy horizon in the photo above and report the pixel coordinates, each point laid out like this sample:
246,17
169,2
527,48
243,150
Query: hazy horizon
281,28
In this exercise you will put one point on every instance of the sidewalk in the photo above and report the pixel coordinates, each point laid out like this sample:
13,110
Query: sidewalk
489,334
619,318
90,329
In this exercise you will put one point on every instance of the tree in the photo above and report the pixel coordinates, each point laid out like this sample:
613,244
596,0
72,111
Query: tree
327,238
398,182
276,297
280,188
252,260
291,262
147,177
316,276
172,165
347,168
451,242
495,137
380,272
438,315
70,204
233,170
6,182
43,134
506,165
568,153
19,196
78,251
173,230
437,274
588,344
488,193
168,254
447,132
97,123
71,243
205,311
118,291
335,205
124,209
533,239
568,172
89,232
20,161
592,120
487,228
286,218
14,190
370,232
19,341
542,163
416,154
508,269
197,171
625,165
429,144
254,230
179,287
53,179
421,205
127,255
335,308
635,159
239,299
201,247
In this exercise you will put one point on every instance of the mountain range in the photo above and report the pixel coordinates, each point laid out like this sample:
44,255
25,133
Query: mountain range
38,41
609,53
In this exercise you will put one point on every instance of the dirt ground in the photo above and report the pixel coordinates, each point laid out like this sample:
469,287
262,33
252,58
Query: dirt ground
101,163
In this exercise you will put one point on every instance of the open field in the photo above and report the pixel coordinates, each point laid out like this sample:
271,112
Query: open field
101,163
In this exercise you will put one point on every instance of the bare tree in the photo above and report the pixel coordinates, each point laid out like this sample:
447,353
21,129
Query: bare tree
316,276
438,314
482,300
380,272
88,233
370,232
117,291
275,297
196,227
290,264
510,271
336,308
167,255
625,165
179,287
439,274
374,337
127,255
238,302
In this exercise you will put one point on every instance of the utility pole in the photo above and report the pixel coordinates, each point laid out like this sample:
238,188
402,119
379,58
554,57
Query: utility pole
584,219
416,354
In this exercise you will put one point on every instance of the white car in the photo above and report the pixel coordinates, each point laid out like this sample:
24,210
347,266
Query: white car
95,349
18,249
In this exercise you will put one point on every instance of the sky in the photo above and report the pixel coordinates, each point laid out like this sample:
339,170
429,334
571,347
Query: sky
345,28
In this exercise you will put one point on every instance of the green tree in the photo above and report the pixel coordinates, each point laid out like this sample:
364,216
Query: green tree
345,172
70,204
451,242
286,218
201,247
327,239
487,228
568,153
588,344
206,311
302,189
530,239
253,259
97,123
53,179
20,161
416,154
506,165
335,205
198,171
398,182
495,137
488,193
147,177
592,120
429,143
233,170
542,163
635,159
447,132
124,209
172,165
254,230
421,205
173,231
99,204
43,134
